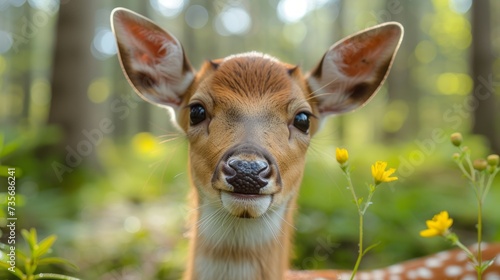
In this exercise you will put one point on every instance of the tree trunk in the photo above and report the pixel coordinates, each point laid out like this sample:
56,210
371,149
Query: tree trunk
73,70
400,87
82,124
483,100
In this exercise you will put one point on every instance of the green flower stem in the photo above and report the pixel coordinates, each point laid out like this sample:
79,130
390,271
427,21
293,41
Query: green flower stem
481,182
369,200
489,183
455,241
481,178
477,261
479,185
479,238
471,167
350,185
361,211
360,244
464,171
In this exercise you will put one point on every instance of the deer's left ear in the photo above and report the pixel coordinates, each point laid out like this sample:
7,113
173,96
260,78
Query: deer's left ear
353,69
152,59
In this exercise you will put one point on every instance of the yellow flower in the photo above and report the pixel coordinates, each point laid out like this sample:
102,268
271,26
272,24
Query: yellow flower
342,155
438,226
380,174
145,144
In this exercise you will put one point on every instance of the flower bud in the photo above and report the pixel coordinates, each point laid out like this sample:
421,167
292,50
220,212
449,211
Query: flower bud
491,169
456,156
480,164
456,139
493,160
341,155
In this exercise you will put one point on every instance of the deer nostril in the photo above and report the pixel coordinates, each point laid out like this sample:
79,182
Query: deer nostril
265,172
228,170
247,177
246,167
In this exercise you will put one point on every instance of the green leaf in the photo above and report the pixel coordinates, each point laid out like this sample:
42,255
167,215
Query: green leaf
34,235
4,264
360,200
17,272
25,233
2,140
4,247
486,264
55,260
44,246
5,172
10,148
371,247
29,267
54,276
30,237
21,256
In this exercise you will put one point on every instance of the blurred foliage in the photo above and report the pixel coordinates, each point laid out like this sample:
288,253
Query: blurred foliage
399,210
35,258
121,212
128,217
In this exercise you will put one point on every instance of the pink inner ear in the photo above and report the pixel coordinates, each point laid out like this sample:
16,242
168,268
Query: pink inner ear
361,55
151,42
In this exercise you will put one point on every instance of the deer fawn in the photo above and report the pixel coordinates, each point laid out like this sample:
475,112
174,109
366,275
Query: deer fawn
249,119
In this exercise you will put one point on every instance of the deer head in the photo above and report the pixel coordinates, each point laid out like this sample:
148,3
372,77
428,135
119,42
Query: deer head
249,119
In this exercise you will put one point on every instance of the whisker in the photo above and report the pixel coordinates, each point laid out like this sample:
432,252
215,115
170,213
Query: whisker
231,219
169,140
324,86
174,150
283,219
208,220
218,220
202,205
164,161
162,128
269,223
173,134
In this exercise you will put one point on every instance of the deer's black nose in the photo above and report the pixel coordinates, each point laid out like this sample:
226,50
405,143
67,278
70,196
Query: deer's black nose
247,177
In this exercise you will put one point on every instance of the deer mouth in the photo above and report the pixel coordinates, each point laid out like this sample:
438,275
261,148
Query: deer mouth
246,205
247,177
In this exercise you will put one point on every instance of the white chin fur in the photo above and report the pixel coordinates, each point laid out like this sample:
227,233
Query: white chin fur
243,206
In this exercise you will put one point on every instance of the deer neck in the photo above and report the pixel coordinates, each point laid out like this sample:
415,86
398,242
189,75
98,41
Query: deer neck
227,247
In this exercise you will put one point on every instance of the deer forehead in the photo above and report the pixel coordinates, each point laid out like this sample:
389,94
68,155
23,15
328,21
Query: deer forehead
252,81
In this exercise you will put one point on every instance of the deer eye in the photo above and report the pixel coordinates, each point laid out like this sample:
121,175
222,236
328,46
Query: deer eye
197,114
301,122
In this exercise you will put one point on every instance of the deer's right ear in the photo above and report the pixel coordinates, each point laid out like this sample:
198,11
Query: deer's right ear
352,70
151,58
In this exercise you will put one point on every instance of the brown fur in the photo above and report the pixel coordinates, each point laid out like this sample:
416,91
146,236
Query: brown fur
251,101
237,97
